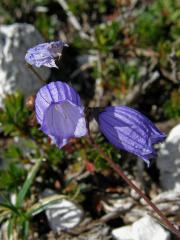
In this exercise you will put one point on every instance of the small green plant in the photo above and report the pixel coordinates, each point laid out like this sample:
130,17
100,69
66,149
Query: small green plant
19,212
172,106
14,116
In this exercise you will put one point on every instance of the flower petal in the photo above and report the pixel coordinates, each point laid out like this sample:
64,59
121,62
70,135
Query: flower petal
44,54
130,130
59,112
54,92
64,120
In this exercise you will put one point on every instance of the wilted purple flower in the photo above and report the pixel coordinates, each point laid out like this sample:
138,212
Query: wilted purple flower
130,130
45,54
60,113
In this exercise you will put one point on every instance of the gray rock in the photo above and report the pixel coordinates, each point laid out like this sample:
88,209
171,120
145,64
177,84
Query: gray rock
123,233
62,215
168,161
97,231
145,228
115,203
168,202
15,40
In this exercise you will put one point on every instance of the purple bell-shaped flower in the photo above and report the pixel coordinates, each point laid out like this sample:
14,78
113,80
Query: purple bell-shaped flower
60,113
44,54
130,130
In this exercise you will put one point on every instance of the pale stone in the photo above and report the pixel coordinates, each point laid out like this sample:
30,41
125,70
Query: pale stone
168,161
114,203
63,214
145,228
123,233
15,40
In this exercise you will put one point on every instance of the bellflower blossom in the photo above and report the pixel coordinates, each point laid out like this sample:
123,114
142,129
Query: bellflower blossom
44,54
60,113
130,130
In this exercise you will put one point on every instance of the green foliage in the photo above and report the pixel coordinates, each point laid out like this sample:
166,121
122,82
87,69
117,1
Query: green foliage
157,22
154,27
120,75
172,105
22,193
54,155
24,144
124,46
97,159
5,14
46,25
106,36
17,216
82,45
11,177
99,7
14,118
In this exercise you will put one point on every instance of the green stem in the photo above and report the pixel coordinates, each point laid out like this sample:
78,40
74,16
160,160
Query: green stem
120,172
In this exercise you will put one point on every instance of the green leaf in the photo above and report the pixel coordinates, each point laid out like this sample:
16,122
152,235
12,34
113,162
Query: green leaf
4,213
10,229
11,177
28,182
44,203
10,207
25,232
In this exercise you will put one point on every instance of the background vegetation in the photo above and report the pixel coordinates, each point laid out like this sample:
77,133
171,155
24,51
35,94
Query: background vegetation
122,52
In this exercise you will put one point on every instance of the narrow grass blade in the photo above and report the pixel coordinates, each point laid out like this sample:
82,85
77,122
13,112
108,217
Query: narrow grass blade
44,203
21,195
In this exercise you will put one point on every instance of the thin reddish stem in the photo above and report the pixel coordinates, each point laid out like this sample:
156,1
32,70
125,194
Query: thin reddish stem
120,172
36,73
